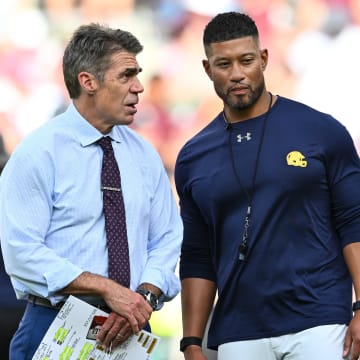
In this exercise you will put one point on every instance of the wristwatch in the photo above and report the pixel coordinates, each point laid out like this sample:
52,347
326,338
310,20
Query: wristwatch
151,298
356,306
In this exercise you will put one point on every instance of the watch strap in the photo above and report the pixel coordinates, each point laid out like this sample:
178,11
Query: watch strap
356,306
189,340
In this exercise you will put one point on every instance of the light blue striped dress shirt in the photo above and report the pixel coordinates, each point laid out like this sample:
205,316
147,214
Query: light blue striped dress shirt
51,218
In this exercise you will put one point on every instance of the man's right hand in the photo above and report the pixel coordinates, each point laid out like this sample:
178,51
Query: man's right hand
129,304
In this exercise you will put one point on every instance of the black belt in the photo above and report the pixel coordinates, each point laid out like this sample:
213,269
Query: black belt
46,303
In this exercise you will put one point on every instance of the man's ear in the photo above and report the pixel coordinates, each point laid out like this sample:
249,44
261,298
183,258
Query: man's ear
264,59
88,82
207,69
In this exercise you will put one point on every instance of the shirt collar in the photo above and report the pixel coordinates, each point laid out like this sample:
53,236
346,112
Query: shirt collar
85,132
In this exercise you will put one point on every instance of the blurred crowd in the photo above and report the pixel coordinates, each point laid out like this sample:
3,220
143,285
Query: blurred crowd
314,55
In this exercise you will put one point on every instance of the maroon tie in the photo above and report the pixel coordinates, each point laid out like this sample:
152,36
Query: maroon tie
114,212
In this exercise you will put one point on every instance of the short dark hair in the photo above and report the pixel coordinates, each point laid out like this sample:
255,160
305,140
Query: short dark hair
90,49
229,26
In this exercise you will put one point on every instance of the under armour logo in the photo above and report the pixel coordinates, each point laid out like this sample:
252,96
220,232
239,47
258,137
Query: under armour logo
241,138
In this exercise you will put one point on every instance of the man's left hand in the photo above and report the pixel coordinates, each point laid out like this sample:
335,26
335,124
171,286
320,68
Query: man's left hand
115,330
352,338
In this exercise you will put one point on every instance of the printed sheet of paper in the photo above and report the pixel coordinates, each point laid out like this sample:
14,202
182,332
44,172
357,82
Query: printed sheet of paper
72,336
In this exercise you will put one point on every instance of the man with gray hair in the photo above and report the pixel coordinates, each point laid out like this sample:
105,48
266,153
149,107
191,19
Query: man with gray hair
54,225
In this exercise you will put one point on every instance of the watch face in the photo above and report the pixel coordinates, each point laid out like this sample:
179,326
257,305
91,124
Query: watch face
150,298
153,301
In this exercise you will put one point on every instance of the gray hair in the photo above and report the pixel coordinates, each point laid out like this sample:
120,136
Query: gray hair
90,49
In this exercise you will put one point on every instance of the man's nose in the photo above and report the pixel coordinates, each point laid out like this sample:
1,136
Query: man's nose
237,72
137,86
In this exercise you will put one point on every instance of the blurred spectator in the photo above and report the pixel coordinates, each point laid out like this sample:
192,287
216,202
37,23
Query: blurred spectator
11,309
327,77
153,120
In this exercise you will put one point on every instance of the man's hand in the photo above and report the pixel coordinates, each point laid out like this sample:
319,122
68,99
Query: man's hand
352,338
124,302
130,305
194,352
115,330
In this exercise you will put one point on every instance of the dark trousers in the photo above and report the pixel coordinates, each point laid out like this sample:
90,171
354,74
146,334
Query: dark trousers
32,328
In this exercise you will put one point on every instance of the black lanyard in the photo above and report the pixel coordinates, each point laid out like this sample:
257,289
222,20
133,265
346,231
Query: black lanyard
243,247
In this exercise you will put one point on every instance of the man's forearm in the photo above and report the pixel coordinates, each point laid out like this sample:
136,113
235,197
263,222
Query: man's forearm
352,256
197,300
89,284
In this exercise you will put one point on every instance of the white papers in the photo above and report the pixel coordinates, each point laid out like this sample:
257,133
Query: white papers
72,334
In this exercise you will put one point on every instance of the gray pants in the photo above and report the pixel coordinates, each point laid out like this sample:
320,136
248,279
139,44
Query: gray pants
318,343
